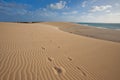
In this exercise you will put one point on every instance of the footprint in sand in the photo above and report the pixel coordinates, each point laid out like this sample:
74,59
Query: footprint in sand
58,70
69,58
58,46
50,40
82,72
50,59
43,48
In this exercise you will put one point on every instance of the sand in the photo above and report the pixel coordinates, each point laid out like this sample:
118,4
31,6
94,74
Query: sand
98,33
41,51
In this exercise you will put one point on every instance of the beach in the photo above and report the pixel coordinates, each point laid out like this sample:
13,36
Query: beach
98,33
58,51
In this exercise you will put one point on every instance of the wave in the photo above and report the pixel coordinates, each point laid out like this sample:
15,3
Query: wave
102,25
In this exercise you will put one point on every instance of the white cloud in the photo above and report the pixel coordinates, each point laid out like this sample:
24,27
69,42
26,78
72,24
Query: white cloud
44,12
113,14
93,1
91,17
73,12
21,12
59,5
111,17
84,3
100,8
108,11
117,4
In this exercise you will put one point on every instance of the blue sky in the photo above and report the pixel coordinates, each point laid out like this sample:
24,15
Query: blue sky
60,10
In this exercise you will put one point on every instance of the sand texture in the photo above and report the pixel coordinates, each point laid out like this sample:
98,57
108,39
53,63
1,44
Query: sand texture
41,51
98,33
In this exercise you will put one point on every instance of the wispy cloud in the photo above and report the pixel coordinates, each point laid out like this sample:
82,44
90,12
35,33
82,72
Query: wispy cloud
117,4
13,5
72,12
100,8
93,1
59,5
113,14
43,12
84,4
12,8
59,11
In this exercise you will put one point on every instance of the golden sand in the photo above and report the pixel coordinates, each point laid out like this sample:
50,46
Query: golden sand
40,51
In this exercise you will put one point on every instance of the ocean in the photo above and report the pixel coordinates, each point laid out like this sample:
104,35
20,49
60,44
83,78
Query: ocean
115,26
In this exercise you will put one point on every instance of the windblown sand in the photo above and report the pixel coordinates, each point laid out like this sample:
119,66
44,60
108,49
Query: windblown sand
42,52
88,31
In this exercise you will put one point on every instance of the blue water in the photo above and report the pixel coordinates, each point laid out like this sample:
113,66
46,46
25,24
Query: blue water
115,26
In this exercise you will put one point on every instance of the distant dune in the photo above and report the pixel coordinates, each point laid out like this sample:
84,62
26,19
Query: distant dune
104,34
42,51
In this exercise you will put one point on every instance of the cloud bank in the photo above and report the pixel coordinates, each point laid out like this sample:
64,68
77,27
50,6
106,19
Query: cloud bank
100,8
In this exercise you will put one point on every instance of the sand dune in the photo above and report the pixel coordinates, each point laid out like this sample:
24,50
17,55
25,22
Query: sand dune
98,33
40,51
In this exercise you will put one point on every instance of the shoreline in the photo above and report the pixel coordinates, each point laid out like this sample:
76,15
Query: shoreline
88,31
97,27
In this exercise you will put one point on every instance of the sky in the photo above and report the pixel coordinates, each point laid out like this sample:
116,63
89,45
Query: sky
107,11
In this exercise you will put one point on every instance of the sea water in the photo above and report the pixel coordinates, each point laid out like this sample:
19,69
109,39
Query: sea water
115,26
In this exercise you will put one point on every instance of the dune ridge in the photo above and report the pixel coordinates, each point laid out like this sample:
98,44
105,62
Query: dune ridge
42,52
88,31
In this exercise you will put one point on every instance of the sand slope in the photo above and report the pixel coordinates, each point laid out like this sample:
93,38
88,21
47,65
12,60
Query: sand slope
98,33
43,52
